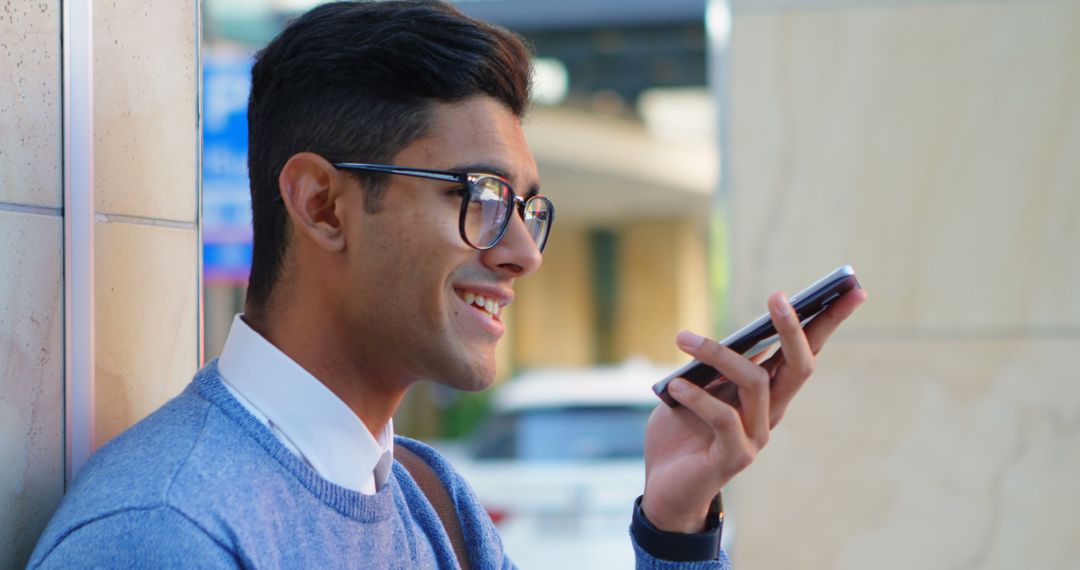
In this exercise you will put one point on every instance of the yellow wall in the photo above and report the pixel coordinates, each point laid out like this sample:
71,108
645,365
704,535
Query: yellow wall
661,288
552,315
935,147
661,272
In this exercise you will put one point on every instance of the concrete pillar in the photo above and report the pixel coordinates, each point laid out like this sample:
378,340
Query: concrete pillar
932,145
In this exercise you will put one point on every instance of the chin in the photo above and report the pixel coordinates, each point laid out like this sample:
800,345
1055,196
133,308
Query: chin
477,383
471,377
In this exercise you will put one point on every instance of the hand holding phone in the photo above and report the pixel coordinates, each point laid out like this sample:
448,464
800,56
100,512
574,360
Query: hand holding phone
760,334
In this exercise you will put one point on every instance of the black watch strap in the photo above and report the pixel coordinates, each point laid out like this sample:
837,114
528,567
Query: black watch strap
677,546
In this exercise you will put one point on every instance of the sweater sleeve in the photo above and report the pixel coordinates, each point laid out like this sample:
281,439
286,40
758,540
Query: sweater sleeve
146,538
646,561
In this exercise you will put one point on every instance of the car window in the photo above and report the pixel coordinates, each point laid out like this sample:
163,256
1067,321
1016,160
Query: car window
564,434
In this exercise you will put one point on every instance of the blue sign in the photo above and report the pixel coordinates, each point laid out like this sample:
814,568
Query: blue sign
226,199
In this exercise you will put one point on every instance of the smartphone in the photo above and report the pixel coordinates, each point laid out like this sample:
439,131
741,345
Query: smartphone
759,335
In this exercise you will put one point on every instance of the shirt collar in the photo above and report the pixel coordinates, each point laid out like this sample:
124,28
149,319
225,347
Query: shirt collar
323,430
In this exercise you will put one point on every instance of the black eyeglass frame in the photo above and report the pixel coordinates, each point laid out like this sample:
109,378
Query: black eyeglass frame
469,179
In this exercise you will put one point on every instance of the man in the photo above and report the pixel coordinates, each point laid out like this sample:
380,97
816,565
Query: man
395,204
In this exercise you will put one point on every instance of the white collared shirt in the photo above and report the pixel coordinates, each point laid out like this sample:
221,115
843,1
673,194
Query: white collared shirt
309,419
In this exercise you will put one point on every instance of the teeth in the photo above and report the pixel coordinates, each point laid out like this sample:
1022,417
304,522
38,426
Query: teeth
489,306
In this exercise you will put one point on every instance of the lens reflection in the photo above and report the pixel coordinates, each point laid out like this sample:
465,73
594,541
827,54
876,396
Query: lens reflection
538,220
489,208
487,211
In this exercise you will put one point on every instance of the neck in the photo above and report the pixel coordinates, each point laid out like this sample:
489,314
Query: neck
312,341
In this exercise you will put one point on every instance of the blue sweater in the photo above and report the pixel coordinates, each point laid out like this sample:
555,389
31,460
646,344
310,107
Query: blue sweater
201,483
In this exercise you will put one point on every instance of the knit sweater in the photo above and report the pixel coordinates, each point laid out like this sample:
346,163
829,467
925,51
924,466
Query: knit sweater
201,483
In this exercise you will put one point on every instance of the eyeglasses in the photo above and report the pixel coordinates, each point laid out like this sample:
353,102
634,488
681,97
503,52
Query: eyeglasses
485,206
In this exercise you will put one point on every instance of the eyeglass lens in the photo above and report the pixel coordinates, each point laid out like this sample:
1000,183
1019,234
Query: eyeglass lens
537,219
488,212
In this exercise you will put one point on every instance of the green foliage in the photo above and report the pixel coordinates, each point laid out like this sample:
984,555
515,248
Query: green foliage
463,413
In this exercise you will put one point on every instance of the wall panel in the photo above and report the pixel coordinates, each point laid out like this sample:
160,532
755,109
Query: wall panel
146,177
31,276
145,108
30,104
147,318
31,379
932,145
962,454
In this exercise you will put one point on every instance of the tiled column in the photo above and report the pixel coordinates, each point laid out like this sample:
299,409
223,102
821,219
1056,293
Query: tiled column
31,276
145,251
934,146
146,186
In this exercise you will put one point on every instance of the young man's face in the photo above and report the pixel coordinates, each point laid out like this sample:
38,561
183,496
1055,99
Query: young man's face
409,268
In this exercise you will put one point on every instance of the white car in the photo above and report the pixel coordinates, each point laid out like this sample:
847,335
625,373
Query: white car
560,461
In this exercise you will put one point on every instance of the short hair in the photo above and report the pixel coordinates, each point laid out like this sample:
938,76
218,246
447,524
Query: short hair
358,82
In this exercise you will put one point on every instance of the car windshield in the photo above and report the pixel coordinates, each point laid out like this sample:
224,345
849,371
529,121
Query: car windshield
564,434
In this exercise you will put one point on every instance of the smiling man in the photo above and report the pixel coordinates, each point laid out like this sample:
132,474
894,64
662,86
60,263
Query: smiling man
395,204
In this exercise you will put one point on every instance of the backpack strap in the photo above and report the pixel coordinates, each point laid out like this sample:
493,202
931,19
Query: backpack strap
435,491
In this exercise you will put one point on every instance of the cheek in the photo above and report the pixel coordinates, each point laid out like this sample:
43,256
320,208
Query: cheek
429,229
407,257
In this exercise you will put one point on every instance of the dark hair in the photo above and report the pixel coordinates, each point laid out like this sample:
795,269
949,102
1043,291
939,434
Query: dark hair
357,82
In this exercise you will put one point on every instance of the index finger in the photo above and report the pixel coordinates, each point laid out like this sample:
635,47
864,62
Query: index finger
824,325
793,363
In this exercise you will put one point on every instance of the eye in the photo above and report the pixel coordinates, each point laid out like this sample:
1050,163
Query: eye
457,191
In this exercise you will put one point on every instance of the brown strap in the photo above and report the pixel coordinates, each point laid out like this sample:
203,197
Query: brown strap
435,491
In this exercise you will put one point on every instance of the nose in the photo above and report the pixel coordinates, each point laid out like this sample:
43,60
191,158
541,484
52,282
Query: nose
516,254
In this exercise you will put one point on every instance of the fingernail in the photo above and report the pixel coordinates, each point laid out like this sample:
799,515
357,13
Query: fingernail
782,305
688,340
677,385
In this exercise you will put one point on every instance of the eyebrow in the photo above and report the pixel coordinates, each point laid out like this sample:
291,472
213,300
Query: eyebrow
488,168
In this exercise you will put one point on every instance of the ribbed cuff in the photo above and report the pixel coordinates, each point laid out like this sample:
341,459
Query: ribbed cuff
677,546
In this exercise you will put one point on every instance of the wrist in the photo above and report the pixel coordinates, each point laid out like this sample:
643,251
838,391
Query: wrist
677,523
677,546
685,521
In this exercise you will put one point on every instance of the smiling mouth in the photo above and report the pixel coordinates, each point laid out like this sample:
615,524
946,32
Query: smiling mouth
487,305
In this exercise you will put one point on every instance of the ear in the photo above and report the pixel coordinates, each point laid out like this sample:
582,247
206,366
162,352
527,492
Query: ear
310,187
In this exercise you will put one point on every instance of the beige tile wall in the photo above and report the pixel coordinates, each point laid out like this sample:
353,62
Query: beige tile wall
146,252
146,249
31,378
30,103
31,276
145,66
147,320
956,453
934,147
